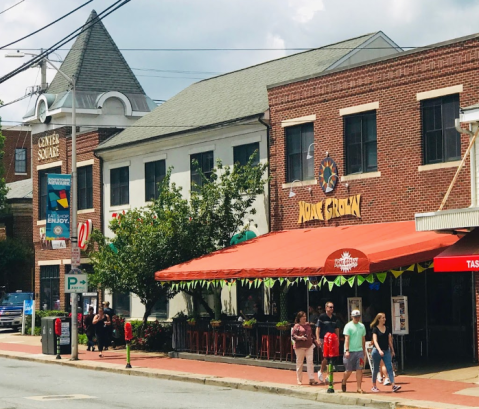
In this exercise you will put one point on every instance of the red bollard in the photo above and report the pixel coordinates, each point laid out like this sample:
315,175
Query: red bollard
58,333
128,338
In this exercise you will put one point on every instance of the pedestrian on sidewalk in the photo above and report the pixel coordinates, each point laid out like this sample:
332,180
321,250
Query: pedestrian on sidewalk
102,323
354,350
110,312
383,350
326,323
90,329
304,346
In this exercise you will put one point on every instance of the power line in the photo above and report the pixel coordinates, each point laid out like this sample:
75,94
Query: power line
178,71
178,78
11,7
37,59
48,25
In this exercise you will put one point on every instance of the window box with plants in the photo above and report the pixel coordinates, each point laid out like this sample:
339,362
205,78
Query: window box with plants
191,321
248,324
283,326
215,323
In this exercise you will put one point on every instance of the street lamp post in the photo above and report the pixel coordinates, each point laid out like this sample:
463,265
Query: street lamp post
74,193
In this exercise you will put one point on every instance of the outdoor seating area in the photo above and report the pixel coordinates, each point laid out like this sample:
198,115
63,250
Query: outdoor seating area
264,340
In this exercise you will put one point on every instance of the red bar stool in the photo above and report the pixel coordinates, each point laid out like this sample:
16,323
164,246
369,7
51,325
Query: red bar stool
277,347
264,350
205,342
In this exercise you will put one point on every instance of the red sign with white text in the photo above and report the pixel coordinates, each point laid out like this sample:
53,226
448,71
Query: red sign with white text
456,263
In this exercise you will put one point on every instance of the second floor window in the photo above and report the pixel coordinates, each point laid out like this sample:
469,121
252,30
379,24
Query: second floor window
119,186
43,190
360,141
298,140
154,174
85,187
441,141
20,160
242,153
205,164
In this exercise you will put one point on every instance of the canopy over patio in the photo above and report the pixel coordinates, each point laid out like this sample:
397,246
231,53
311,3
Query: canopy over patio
345,250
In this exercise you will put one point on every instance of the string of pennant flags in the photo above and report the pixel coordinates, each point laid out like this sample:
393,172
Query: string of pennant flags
311,282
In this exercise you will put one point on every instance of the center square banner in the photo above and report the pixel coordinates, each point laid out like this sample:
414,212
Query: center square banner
58,207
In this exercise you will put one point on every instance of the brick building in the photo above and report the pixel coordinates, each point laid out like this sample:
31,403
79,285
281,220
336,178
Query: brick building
17,156
389,127
108,98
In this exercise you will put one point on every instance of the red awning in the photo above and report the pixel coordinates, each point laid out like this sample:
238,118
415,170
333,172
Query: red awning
462,256
357,249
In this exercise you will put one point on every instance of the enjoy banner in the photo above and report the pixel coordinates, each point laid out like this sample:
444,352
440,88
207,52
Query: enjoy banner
58,207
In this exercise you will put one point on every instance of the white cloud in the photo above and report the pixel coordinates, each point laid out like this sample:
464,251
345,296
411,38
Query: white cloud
305,9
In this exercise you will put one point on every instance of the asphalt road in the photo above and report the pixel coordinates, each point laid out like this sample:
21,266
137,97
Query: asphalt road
25,385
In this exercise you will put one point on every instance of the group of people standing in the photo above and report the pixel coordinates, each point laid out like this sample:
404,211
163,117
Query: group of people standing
100,326
354,347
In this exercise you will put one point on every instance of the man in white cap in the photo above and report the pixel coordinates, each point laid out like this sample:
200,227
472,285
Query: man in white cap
354,350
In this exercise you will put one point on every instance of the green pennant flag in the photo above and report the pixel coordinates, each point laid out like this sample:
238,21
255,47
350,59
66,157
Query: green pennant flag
382,277
330,285
242,281
208,283
351,281
296,281
281,280
370,279
310,285
361,280
222,283
250,283
343,280
337,281
188,285
288,283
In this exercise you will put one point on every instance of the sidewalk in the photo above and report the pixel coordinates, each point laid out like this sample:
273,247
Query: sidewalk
451,389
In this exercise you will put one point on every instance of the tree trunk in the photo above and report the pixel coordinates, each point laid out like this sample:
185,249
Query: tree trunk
197,300
148,307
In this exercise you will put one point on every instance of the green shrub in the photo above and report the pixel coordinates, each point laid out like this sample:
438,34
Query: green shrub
82,339
43,313
157,336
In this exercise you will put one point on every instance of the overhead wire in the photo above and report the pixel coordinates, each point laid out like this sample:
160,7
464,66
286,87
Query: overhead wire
44,27
11,7
74,34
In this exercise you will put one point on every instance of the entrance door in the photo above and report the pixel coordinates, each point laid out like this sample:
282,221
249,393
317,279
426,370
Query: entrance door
450,315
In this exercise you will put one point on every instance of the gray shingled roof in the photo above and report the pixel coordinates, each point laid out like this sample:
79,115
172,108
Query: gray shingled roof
97,64
20,190
236,95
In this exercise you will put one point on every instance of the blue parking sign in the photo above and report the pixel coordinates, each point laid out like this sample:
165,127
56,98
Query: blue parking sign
28,307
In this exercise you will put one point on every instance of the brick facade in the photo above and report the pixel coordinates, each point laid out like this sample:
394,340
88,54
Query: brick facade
15,138
86,143
401,190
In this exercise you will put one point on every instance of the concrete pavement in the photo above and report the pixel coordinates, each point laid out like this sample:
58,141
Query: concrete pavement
456,389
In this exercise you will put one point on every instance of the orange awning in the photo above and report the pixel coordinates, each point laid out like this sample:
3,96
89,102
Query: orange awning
356,249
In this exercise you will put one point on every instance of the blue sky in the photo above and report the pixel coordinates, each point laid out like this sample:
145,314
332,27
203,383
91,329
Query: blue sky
274,24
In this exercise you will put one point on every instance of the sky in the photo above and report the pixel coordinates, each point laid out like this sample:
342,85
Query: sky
219,24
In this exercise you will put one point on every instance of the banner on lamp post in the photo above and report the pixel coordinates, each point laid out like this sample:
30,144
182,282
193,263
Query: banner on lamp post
58,207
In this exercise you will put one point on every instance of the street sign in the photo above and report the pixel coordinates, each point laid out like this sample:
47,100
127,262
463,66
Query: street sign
76,257
75,271
76,283
28,307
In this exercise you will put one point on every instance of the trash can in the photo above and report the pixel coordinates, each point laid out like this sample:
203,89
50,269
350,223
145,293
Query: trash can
49,339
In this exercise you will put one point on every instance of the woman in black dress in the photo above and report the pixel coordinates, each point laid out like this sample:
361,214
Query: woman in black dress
102,323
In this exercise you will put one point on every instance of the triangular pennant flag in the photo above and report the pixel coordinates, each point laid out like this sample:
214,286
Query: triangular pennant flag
208,283
250,283
310,285
431,265
242,281
410,268
222,283
420,268
396,273
337,281
281,279
381,277
361,280
351,281
343,280
320,283
370,279
188,285
330,285
288,283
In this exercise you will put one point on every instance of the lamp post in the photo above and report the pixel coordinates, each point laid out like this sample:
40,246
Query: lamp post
73,203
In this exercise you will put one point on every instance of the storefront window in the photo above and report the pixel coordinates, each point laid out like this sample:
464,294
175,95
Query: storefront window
121,304
248,297
160,310
50,287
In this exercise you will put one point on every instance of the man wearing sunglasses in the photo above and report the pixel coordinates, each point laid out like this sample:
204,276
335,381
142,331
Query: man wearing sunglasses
326,323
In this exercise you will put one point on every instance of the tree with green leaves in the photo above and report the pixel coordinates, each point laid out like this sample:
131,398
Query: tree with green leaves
174,230
15,256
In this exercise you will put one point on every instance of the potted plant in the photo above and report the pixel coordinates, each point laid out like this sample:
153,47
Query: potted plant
191,321
249,323
215,323
283,325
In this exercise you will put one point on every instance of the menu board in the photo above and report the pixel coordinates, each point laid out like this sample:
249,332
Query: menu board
400,316
355,303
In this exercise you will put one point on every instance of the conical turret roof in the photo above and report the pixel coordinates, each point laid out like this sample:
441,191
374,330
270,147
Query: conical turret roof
96,63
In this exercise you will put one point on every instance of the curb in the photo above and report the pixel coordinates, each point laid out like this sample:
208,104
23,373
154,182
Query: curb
234,383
